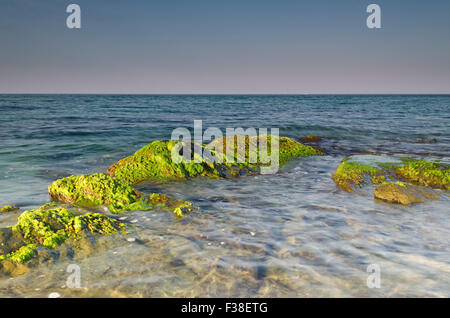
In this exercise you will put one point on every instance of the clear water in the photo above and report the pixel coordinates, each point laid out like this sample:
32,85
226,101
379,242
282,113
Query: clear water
291,234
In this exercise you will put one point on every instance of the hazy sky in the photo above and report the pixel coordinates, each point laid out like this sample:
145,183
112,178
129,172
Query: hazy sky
226,46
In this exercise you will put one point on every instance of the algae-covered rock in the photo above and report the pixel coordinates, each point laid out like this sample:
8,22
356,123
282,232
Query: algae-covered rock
350,174
9,208
310,138
179,208
49,228
250,150
403,193
155,162
93,191
356,171
425,173
98,190
23,254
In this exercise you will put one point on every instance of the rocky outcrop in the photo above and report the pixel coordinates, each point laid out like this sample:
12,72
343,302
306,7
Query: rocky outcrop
163,160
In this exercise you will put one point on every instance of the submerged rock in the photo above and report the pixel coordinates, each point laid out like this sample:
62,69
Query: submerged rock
349,175
9,208
48,228
155,162
310,138
403,193
425,173
180,208
370,169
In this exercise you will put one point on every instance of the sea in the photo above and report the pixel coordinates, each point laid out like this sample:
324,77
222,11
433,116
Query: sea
289,234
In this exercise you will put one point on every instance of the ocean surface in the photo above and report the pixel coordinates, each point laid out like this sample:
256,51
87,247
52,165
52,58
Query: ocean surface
292,234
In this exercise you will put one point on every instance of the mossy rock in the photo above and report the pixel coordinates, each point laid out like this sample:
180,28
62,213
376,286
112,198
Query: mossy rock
49,228
425,173
154,162
310,138
179,208
9,208
402,193
98,190
350,175
356,171
247,150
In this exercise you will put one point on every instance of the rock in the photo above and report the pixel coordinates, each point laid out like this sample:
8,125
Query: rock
96,190
309,139
403,193
356,171
99,190
41,230
9,241
155,162
350,175
425,173
13,269
9,208
179,208
50,228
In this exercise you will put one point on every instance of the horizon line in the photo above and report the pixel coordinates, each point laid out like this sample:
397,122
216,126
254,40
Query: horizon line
224,94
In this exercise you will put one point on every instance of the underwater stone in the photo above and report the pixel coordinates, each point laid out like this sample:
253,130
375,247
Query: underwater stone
349,175
9,208
310,138
49,228
358,170
425,173
402,193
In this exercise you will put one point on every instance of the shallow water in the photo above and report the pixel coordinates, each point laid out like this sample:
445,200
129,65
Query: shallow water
289,234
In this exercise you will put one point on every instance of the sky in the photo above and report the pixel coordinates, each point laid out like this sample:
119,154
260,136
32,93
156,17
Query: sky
225,47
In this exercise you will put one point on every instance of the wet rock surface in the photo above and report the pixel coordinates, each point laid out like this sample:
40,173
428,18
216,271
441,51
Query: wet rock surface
402,193
165,160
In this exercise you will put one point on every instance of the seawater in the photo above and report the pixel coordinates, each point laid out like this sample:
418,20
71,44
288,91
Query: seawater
293,234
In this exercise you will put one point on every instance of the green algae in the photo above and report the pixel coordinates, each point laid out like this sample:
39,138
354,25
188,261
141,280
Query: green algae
352,173
425,173
179,208
49,228
290,149
22,255
182,208
349,174
9,208
95,223
97,190
93,191
155,162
